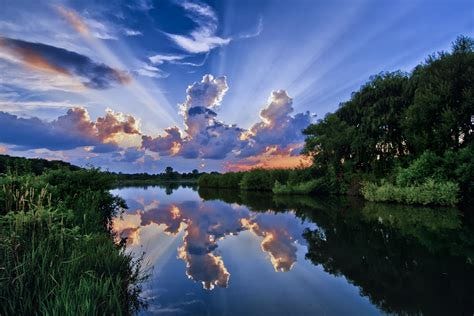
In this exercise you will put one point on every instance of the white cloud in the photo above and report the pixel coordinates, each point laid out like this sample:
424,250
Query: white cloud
257,31
160,59
151,71
130,32
203,38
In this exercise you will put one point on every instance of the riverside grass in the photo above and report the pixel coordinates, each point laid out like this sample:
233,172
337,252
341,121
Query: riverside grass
57,254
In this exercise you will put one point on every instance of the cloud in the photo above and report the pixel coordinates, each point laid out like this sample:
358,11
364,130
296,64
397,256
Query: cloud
129,155
69,131
160,59
207,93
206,136
59,61
272,158
141,5
151,71
3,150
87,26
166,145
257,31
203,38
130,32
114,123
274,142
277,127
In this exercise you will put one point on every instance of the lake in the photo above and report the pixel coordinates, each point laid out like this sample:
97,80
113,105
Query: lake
212,252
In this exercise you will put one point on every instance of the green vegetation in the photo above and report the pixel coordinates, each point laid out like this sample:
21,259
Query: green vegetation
429,192
57,253
169,175
404,137
35,166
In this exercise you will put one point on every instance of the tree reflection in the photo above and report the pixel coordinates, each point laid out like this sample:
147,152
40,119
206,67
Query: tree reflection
407,260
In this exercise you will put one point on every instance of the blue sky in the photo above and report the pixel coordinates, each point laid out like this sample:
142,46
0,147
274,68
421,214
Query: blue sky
139,85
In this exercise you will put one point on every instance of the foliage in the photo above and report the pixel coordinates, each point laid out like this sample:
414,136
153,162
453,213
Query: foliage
56,254
36,166
428,192
229,180
405,127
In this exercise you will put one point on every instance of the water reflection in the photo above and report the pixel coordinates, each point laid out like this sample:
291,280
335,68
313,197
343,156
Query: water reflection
204,224
406,260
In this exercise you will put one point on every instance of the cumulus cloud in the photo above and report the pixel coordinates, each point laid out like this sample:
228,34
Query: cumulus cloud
276,140
206,136
59,61
277,127
203,38
129,155
74,129
166,145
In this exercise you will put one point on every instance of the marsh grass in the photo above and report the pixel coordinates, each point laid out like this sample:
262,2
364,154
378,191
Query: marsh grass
57,255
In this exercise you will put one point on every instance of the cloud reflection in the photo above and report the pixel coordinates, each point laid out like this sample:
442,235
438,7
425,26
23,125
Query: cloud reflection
204,224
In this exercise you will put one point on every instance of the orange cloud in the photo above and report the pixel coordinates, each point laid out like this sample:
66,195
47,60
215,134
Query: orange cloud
75,20
32,59
3,150
272,158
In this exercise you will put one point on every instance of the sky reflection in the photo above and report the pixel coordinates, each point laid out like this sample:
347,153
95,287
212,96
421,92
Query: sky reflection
204,223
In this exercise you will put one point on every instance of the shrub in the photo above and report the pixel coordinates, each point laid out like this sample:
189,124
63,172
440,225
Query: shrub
428,165
297,188
429,192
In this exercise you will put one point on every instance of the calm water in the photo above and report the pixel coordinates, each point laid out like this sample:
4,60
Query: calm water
226,253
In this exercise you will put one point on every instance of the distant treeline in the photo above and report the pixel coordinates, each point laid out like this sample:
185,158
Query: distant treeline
20,165
169,175
37,166
403,137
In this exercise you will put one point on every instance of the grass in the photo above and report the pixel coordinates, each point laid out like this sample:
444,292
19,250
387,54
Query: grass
57,255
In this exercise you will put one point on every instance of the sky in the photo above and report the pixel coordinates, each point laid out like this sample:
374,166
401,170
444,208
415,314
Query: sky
135,86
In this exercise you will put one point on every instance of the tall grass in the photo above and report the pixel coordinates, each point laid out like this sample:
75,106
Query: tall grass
57,255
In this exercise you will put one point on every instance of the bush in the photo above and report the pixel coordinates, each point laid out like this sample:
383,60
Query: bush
297,188
428,165
429,192
263,180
